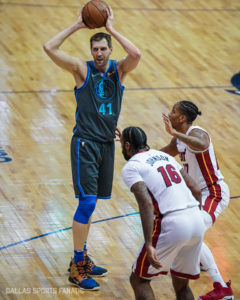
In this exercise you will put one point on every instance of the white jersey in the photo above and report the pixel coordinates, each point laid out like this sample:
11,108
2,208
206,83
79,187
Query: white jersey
202,166
160,173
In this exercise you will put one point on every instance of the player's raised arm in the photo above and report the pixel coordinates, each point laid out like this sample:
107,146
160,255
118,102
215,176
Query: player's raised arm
130,62
61,58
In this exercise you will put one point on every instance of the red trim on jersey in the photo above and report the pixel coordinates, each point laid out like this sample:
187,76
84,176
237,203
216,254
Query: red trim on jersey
156,274
141,151
212,201
206,167
140,261
156,210
188,276
143,264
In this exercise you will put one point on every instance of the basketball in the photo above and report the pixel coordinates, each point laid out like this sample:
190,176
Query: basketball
94,13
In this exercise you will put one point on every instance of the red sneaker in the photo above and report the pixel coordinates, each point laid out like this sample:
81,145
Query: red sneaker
219,292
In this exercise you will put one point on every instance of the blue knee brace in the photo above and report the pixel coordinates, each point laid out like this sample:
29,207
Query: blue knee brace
85,209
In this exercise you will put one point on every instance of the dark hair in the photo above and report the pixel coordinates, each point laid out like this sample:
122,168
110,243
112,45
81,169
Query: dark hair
189,109
136,137
100,36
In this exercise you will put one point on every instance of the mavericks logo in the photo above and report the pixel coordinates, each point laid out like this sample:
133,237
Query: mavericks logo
104,89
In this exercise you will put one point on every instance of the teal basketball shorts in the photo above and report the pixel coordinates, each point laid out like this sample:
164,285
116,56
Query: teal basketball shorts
92,167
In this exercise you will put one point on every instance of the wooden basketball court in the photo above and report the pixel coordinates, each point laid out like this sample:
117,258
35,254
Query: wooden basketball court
190,50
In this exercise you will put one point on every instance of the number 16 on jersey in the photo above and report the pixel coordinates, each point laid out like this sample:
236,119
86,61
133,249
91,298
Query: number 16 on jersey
169,175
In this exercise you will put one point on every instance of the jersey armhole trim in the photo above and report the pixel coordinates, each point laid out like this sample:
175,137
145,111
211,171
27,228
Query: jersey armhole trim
115,68
195,151
85,82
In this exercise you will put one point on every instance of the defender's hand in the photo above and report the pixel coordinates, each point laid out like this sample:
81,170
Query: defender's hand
168,125
118,134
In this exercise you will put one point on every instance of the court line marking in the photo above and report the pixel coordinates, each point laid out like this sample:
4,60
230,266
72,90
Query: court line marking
53,91
64,229
68,228
127,8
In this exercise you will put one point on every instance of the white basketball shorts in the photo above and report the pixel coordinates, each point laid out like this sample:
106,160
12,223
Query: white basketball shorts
177,238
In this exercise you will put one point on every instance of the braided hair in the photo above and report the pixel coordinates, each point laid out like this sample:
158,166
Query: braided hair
136,137
189,109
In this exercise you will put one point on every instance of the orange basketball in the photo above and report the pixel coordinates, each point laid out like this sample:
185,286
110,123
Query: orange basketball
95,14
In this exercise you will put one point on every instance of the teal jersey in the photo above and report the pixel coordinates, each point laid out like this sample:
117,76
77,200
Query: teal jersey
98,104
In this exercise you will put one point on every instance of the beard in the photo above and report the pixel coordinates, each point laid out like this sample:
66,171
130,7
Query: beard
127,157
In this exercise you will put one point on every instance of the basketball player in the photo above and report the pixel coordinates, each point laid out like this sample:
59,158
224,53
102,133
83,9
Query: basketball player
98,92
195,148
173,237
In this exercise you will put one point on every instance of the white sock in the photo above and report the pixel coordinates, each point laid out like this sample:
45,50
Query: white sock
208,262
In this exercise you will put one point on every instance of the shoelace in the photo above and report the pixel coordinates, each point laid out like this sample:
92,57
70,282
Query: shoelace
89,263
82,272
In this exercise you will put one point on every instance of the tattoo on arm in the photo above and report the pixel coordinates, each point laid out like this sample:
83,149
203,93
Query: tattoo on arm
146,209
196,140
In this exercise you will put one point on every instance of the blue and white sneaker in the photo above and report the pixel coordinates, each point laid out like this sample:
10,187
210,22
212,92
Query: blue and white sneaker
94,270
